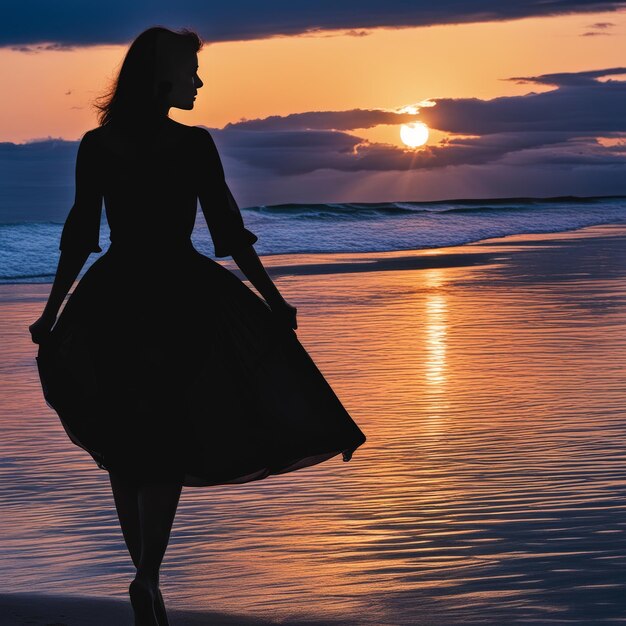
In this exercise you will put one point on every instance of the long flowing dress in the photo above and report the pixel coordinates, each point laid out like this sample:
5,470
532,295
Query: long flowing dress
163,364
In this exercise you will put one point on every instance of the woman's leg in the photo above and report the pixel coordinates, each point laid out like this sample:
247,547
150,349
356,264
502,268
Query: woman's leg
126,496
157,507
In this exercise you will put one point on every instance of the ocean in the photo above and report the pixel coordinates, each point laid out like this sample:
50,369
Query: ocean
29,250
490,490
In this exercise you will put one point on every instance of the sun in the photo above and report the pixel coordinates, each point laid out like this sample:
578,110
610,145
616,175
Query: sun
414,134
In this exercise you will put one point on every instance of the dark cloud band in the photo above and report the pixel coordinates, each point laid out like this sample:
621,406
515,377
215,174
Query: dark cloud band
62,23
561,125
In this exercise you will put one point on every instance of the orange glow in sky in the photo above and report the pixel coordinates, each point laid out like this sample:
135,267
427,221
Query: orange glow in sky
50,91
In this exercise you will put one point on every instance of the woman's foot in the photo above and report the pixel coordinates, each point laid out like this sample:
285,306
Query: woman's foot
143,597
159,609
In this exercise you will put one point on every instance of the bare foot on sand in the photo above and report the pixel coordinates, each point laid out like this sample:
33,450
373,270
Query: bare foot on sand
143,598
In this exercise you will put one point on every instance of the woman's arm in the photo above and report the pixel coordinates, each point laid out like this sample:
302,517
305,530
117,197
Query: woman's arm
68,268
249,263
228,231
79,236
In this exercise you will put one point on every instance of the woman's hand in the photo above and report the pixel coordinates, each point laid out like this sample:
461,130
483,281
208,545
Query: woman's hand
285,312
40,329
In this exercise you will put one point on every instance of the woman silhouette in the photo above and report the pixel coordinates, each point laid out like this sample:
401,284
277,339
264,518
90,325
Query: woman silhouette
163,365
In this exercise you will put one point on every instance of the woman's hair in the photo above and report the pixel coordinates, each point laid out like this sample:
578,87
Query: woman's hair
134,100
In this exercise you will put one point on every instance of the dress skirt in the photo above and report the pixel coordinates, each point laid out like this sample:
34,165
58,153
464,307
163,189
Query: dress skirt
168,366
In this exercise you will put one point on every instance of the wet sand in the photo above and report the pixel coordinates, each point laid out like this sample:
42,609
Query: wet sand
41,610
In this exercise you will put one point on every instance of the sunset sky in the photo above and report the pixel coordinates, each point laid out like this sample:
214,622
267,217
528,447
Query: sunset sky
306,104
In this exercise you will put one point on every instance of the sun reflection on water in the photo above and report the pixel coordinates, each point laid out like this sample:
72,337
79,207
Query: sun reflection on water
435,350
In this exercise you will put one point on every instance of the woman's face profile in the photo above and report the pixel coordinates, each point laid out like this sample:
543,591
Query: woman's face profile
185,83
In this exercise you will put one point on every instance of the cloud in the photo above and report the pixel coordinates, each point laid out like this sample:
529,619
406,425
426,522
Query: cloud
37,179
602,25
558,126
573,153
317,120
570,140
569,79
580,105
64,23
564,123
288,153
599,28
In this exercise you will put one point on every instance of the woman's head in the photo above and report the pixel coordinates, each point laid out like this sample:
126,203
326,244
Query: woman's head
159,71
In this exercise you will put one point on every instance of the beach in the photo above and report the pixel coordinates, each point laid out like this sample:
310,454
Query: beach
490,380
32,609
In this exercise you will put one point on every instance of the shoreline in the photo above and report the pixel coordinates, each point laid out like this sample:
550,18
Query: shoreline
482,252
464,255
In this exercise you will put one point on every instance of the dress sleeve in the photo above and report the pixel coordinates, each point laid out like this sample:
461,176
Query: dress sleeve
219,207
81,230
